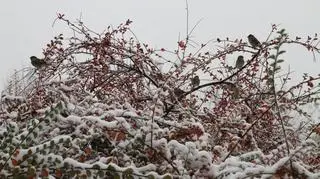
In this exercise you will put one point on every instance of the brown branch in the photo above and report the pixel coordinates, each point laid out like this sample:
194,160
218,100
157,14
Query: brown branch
224,81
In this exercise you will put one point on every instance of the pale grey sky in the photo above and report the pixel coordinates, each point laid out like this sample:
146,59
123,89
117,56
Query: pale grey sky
26,26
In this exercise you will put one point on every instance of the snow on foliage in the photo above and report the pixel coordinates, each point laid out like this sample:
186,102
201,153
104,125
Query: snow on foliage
108,106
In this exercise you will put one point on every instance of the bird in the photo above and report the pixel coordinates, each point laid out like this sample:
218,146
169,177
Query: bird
37,62
239,62
253,41
178,92
235,93
195,81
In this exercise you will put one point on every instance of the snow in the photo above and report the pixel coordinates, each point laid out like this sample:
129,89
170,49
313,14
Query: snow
107,115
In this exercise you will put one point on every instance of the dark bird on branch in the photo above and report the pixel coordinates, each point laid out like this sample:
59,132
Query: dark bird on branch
37,62
178,92
239,62
253,41
195,81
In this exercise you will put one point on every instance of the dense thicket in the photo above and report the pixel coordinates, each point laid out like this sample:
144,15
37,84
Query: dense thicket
104,105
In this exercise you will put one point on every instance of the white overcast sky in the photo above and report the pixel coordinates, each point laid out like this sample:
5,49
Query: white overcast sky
26,25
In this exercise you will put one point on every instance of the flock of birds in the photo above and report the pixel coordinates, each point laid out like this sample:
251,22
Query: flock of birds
195,81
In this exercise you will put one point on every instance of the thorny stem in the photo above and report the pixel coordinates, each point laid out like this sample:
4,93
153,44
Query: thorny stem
152,121
251,126
187,28
277,106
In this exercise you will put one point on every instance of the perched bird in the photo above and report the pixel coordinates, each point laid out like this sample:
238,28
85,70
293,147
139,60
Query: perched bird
195,81
254,42
36,62
178,92
239,62
235,93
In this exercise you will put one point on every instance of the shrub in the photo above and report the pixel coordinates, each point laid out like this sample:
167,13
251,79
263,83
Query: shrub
108,106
